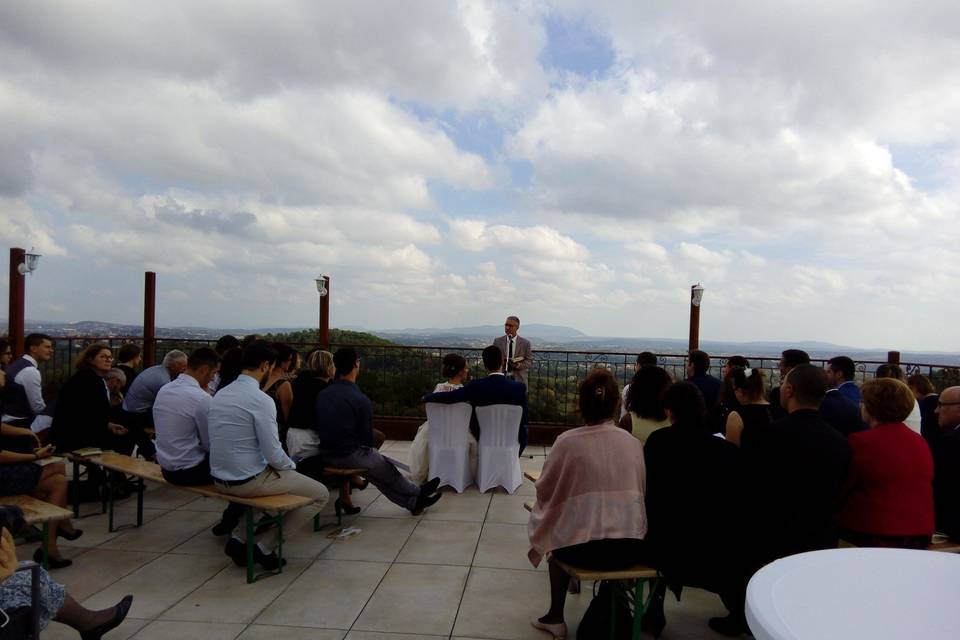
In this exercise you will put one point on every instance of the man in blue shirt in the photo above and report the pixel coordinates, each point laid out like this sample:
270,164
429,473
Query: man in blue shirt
137,412
246,458
345,427
840,372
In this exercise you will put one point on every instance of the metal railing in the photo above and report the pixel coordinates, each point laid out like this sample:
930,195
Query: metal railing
395,377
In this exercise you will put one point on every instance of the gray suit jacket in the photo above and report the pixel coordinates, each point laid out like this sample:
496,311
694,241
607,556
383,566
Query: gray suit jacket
521,347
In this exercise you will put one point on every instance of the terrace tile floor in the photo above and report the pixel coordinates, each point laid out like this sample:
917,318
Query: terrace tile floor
458,571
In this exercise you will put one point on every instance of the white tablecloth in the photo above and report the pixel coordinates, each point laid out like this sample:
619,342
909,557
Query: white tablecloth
848,594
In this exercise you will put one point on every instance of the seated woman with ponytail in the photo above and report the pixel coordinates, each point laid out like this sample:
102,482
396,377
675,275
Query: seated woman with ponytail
753,411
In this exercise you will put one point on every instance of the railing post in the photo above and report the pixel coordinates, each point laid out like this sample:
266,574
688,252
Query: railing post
149,319
15,311
893,357
325,317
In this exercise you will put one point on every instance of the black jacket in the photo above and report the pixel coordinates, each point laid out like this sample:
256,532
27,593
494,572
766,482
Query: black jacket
82,413
841,413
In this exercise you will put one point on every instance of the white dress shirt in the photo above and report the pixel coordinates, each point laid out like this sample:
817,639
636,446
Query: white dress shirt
243,432
180,418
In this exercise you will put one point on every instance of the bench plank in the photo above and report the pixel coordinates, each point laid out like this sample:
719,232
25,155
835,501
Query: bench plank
151,471
637,571
532,476
37,511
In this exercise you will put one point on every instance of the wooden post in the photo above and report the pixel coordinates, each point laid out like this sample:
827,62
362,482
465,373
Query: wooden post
149,319
694,342
325,317
893,357
15,310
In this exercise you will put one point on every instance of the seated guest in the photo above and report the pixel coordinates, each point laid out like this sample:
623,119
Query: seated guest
946,479
20,475
753,412
16,591
231,364
116,381
494,388
840,373
645,413
138,403
889,370
246,459
183,440
224,344
727,401
82,417
302,439
888,499
345,427
6,355
789,359
644,359
128,360
839,408
694,494
590,498
455,371
794,473
927,398
698,374
277,385
23,403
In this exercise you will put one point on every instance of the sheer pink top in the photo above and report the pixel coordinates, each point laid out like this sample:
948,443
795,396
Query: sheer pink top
591,488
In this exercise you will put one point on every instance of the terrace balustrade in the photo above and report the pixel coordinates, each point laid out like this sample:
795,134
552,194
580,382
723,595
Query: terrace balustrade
395,377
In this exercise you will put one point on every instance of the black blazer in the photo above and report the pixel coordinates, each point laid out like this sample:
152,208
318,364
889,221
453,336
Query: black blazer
482,392
946,483
82,413
694,493
796,470
841,413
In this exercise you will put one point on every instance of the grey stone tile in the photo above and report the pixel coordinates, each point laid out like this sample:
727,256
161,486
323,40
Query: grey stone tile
380,540
97,569
469,506
130,626
415,598
509,509
264,632
228,598
376,635
504,546
330,594
163,534
166,629
440,542
159,584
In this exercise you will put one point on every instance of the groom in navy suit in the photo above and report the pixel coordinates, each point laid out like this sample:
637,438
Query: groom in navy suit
495,388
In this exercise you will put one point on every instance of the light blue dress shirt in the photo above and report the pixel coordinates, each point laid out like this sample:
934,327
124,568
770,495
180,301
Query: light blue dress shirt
180,418
242,424
144,389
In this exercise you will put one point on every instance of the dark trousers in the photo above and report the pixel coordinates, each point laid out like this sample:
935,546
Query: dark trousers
196,477
135,424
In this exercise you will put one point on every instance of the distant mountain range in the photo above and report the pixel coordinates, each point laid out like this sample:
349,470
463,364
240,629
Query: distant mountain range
543,337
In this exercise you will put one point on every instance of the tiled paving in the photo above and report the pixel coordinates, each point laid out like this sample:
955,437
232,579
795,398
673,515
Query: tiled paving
459,571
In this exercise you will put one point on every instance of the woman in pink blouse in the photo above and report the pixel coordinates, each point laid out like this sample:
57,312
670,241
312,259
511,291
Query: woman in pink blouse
590,503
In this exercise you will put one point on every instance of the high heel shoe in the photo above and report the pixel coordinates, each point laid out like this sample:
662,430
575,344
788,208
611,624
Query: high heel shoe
558,631
52,563
341,509
76,533
122,608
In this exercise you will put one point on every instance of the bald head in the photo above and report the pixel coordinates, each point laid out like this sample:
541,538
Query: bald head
948,410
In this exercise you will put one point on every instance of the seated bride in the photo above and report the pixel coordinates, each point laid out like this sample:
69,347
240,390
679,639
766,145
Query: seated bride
455,370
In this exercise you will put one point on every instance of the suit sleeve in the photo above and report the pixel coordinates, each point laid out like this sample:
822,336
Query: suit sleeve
449,397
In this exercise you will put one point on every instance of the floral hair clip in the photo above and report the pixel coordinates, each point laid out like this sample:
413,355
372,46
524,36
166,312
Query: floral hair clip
747,373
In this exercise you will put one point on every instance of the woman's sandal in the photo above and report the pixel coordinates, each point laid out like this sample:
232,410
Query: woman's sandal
121,611
558,631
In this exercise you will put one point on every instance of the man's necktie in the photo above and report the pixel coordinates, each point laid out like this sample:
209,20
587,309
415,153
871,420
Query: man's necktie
510,356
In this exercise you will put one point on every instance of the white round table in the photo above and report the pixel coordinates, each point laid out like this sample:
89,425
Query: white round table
847,594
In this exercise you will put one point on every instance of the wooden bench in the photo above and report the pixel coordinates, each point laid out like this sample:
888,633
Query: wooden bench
38,512
532,476
143,470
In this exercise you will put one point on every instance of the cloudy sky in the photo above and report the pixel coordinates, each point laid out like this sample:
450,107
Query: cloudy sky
576,163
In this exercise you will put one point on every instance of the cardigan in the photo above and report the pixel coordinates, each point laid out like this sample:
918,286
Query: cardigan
889,489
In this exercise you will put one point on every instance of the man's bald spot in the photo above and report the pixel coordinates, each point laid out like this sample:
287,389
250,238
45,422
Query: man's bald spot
950,394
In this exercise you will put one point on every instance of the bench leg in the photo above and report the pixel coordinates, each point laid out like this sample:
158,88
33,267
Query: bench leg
75,493
45,545
248,524
140,488
109,484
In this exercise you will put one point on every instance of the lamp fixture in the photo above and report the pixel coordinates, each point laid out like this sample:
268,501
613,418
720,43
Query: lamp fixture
322,285
696,294
29,264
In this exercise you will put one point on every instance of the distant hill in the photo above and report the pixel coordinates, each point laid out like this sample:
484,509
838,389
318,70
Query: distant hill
489,331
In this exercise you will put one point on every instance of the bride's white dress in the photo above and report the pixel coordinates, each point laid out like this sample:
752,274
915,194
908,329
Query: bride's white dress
420,456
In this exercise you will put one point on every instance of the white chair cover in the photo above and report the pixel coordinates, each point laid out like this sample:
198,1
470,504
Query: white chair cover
499,450
448,434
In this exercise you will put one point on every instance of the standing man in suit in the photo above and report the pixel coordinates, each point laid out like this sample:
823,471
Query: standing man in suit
840,372
495,388
788,360
519,354
946,464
